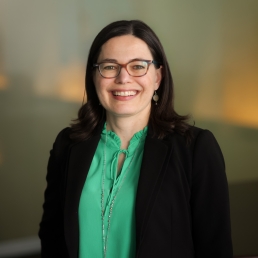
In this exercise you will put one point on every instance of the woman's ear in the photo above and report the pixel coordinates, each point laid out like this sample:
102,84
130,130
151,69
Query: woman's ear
158,77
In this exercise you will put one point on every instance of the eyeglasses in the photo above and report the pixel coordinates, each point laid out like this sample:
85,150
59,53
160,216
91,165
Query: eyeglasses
135,68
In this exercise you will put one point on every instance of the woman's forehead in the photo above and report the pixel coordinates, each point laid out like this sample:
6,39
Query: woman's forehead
124,48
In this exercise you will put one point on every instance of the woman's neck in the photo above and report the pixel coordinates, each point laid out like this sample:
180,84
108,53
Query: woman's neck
125,127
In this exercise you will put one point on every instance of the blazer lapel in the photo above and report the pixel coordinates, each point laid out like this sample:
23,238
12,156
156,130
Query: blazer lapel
154,162
81,155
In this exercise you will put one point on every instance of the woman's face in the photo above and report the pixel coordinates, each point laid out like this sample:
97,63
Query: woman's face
125,95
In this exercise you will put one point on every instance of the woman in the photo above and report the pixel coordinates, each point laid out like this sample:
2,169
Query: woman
131,178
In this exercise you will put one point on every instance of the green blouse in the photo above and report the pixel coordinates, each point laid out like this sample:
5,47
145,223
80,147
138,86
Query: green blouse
119,233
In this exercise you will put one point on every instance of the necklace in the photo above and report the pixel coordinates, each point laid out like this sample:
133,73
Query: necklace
105,234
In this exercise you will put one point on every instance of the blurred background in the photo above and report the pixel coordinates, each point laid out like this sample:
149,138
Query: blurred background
212,48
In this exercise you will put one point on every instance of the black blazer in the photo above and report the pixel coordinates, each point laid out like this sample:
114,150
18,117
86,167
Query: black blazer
182,203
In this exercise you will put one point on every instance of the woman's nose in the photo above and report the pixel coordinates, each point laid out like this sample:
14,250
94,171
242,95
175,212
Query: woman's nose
123,76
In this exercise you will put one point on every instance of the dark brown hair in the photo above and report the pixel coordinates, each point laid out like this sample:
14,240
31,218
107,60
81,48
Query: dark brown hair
163,118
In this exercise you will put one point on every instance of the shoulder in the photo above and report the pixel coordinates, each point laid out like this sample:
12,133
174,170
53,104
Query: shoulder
204,140
200,134
62,141
203,156
194,137
204,143
63,135
201,145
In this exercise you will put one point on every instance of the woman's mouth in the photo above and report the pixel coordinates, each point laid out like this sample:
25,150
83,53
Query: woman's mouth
124,93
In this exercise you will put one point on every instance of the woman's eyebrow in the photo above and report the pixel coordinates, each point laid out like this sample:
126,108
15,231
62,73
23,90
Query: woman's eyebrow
109,60
115,61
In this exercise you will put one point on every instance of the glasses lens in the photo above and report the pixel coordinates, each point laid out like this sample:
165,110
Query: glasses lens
109,70
137,68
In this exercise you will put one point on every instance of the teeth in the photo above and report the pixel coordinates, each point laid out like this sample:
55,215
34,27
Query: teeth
124,93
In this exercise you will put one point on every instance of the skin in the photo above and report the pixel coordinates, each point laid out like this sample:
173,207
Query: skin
129,113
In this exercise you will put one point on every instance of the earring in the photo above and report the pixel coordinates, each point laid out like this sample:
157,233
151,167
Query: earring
155,97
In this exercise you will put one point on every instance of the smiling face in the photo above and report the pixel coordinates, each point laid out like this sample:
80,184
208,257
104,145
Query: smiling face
125,95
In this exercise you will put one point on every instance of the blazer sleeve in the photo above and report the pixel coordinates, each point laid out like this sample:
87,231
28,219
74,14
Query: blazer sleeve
210,200
51,232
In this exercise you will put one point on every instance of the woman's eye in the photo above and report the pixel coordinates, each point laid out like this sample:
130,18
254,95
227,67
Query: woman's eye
138,67
109,67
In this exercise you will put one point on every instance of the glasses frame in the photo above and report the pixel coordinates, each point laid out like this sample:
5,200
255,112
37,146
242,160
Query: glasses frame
149,62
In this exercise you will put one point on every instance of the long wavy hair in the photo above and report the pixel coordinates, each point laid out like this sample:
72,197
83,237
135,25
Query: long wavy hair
163,118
